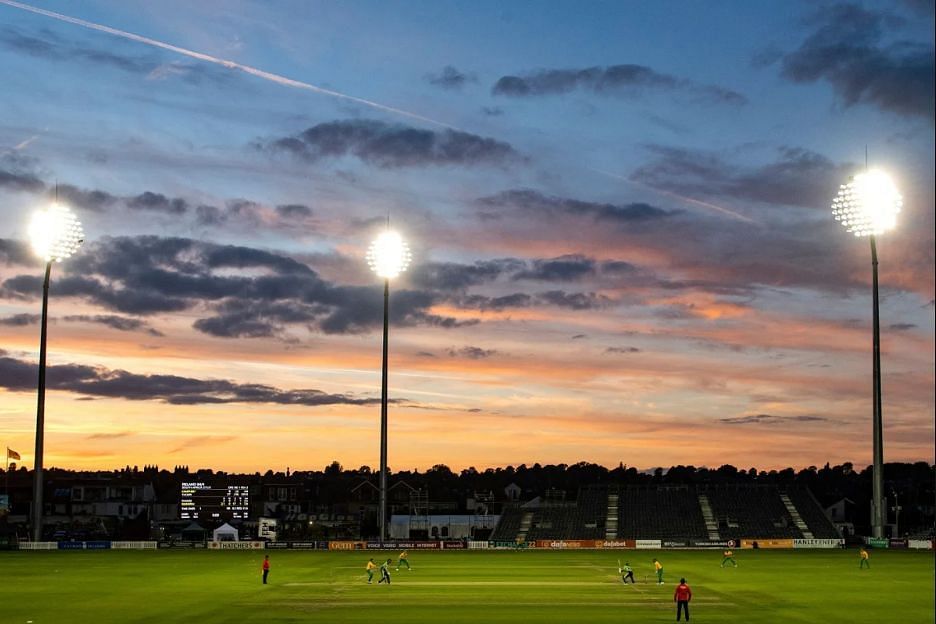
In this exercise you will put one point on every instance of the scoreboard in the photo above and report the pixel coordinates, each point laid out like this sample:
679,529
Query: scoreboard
203,501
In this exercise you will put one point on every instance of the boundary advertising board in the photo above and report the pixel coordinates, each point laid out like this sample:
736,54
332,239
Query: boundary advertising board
235,545
767,543
347,545
818,543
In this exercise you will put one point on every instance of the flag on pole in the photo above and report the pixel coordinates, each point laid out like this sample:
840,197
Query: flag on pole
11,454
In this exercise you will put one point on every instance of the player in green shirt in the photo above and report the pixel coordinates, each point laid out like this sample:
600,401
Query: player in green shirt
385,572
627,572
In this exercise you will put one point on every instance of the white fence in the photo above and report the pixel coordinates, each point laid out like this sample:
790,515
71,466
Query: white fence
133,545
90,545
38,545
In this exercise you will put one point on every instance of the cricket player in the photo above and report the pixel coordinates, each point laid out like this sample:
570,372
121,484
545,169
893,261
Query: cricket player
266,568
627,572
659,570
403,560
371,566
385,572
728,557
864,559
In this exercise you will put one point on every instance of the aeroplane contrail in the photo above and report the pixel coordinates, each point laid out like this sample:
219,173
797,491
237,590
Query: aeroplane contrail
690,200
298,84
247,69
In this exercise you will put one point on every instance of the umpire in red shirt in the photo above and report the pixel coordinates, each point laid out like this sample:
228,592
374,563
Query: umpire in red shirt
681,597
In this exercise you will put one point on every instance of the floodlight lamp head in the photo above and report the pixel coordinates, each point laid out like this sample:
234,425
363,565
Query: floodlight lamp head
868,204
389,255
55,233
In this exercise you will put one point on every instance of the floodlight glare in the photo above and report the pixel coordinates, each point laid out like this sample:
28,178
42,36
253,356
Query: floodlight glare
868,204
56,233
389,255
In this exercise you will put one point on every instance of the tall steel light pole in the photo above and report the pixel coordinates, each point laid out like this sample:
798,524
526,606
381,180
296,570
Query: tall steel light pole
56,234
867,206
388,256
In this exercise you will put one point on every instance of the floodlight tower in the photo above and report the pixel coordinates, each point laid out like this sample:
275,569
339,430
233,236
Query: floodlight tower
388,256
867,206
56,234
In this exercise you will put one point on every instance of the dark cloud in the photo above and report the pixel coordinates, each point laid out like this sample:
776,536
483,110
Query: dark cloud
148,274
158,202
251,214
239,318
449,276
121,323
243,207
244,292
360,310
143,300
209,215
294,211
14,252
235,326
20,181
559,298
770,419
20,320
94,200
17,375
847,50
543,205
622,350
618,268
495,304
574,301
562,269
799,177
239,257
14,39
49,45
472,353
393,145
612,80
492,111
450,78
579,337
127,63
901,326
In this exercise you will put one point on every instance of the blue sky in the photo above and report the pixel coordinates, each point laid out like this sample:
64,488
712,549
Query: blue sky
623,247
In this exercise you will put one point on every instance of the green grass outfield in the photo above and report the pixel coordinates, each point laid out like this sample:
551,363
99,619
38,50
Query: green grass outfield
480,587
